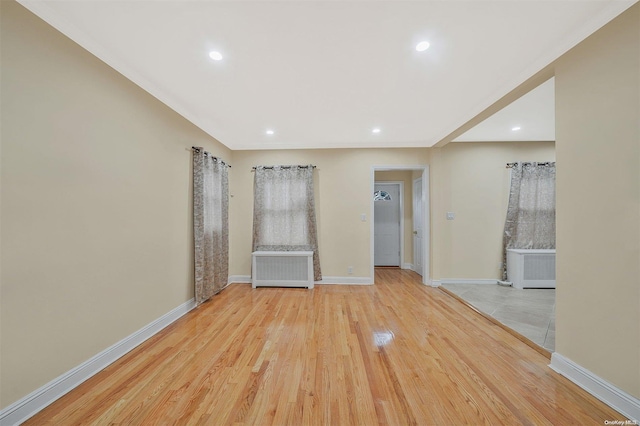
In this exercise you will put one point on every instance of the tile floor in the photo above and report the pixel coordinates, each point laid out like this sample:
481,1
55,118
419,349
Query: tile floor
530,312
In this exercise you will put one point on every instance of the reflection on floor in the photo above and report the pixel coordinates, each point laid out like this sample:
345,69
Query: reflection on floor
530,312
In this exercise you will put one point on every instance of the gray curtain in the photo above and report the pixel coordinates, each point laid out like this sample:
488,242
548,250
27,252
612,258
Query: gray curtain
210,224
531,214
284,214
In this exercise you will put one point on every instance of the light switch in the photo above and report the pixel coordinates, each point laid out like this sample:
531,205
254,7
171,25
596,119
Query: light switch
450,216
363,217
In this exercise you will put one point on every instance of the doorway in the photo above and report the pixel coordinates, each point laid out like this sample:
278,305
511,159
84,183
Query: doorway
420,172
388,223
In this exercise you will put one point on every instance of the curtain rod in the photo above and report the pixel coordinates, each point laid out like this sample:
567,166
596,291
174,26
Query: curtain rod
199,148
544,163
253,169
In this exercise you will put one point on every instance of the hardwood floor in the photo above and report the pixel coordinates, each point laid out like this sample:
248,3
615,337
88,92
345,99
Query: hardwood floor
396,353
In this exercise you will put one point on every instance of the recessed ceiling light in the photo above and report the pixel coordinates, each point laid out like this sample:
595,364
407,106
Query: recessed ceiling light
376,130
269,132
216,56
515,129
422,46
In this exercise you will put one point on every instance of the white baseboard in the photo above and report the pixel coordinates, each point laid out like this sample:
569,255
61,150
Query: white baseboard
31,404
439,282
619,400
346,280
407,266
234,279
239,279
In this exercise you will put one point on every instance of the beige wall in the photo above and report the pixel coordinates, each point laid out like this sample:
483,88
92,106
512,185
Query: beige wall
471,180
598,203
96,225
406,177
343,193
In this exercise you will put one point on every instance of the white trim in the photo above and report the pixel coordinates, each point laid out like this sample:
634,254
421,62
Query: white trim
346,280
435,283
407,266
616,398
466,281
31,404
246,279
239,279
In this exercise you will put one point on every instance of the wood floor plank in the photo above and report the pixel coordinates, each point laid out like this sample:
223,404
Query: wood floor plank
396,353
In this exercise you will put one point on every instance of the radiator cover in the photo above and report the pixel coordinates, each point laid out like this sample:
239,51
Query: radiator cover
282,269
531,268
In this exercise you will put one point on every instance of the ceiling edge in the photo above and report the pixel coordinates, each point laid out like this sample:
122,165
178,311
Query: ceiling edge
47,14
513,89
537,73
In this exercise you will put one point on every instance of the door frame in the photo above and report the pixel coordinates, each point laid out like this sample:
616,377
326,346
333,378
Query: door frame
414,184
426,240
400,185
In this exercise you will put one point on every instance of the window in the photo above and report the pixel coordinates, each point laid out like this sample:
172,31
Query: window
381,196
284,217
284,213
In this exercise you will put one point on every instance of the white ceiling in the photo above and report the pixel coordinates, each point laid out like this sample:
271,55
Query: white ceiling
325,73
529,118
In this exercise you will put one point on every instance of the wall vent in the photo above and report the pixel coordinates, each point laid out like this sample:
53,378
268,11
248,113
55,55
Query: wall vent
282,269
531,268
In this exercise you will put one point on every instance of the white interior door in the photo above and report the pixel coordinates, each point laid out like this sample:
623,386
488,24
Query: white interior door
387,225
417,226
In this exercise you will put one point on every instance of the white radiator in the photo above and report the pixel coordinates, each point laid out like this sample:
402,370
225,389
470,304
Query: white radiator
282,269
531,268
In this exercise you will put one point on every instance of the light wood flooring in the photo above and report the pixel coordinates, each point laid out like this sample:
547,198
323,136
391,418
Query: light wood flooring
396,353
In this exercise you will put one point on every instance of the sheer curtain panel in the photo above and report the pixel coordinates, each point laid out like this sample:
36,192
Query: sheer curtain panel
284,215
531,214
210,224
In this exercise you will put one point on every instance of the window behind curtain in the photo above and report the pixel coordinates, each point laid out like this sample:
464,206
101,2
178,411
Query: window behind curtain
210,224
531,213
284,216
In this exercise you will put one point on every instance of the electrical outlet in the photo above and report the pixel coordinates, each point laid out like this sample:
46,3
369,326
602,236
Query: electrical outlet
500,265
451,215
350,270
